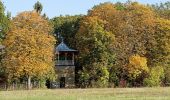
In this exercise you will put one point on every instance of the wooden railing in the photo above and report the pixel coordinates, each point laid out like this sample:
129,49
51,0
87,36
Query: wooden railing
64,62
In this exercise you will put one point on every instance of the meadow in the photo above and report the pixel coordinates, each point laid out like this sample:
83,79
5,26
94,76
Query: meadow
89,94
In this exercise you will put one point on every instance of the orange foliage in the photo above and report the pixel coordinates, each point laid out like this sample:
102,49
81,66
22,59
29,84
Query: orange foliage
29,46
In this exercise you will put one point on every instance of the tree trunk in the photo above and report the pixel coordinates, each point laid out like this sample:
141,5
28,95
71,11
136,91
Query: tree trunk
29,82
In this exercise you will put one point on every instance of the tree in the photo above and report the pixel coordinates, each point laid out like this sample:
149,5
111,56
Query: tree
4,27
162,38
156,75
38,7
8,15
67,27
134,34
29,47
106,12
133,26
137,68
162,9
4,22
95,52
138,29
161,52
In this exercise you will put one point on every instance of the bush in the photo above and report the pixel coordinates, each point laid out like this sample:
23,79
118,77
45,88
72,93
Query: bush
167,76
155,77
102,78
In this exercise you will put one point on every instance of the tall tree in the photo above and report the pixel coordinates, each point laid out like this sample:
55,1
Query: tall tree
38,7
96,55
106,12
133,26
134,35
29,47
161,52
4,27
67,27
4,22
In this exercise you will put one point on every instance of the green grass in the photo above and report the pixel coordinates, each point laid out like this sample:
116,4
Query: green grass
89,94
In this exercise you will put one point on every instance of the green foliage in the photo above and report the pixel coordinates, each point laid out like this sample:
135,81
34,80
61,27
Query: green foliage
67,27
38,7
4,27
102,77
96,55
167,76
155,77
113,76
2,74
120,6
4,22
8,15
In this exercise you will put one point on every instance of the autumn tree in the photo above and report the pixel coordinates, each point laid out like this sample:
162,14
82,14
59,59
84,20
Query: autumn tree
95,53
29,47
139,30
133,26
161,53
106,12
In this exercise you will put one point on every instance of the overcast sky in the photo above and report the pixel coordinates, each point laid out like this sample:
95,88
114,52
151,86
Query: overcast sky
61,7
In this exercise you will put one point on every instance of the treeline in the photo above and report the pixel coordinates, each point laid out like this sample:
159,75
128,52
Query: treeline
119,44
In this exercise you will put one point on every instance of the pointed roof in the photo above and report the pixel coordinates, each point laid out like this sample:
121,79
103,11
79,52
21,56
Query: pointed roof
63,47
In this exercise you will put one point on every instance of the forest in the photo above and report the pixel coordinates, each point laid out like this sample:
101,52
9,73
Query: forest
119,45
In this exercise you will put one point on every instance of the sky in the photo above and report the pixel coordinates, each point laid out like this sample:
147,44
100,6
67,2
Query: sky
54,8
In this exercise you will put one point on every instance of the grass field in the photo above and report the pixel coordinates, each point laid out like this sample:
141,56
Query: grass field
89,94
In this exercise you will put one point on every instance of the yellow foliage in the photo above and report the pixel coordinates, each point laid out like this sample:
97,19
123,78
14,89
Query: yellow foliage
29,46
136,60
137,66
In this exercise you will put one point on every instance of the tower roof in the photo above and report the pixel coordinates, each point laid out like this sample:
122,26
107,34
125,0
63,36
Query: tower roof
63,47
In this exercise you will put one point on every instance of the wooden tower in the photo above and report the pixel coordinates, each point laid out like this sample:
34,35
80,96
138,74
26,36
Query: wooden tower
65,67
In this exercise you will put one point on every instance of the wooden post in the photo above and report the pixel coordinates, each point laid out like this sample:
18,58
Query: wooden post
65,56
13,86
5,86
73,59
58,58
66,63
29,82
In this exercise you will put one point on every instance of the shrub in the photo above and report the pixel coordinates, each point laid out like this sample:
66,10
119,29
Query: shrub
167,76
155,76
137,66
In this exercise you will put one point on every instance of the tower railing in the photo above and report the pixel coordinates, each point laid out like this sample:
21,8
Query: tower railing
64,62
